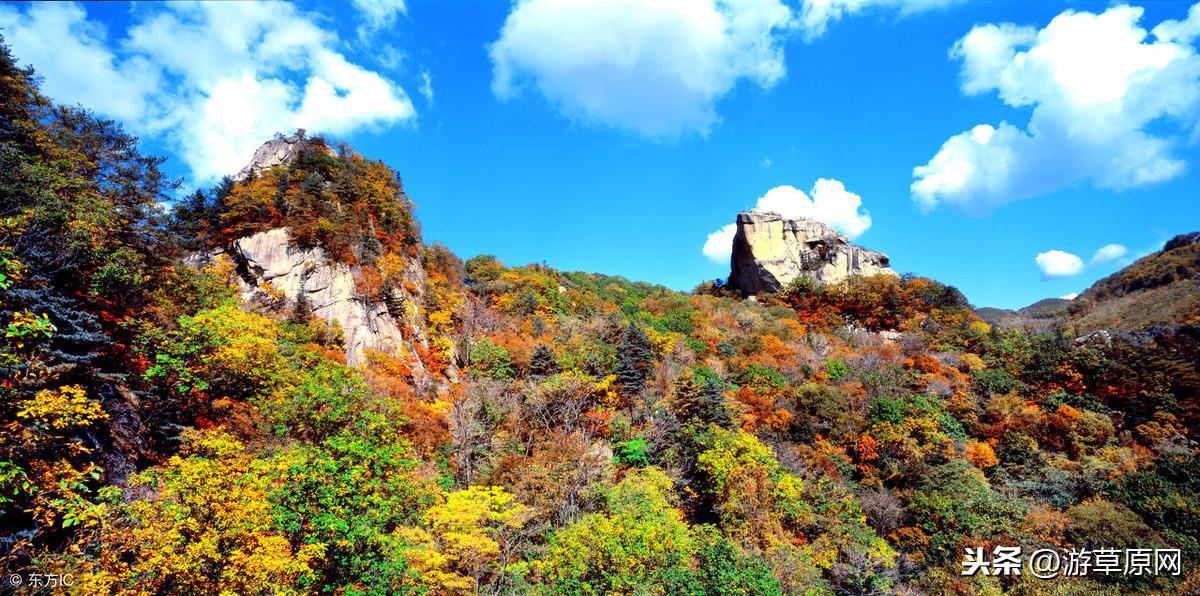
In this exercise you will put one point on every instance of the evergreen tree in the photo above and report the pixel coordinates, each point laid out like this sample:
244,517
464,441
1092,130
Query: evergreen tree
687,391
542,363
634,359
710,406
301,313
701,399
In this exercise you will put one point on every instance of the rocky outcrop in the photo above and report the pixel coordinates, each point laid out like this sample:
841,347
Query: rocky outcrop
276,151
770,251
272,270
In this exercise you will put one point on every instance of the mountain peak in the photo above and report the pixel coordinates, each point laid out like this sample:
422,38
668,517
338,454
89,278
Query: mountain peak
280,149
769,252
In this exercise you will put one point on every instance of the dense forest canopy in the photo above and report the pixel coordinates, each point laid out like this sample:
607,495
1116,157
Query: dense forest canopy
564,432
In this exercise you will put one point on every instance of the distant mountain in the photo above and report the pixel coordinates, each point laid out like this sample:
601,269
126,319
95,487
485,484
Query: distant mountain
1162,288
1039,315
1157,289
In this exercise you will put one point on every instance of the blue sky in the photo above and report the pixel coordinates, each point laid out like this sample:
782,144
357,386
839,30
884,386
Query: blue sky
996,146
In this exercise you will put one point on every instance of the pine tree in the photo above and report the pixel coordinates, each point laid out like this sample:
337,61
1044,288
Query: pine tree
635,359
302,313
687,391
542,363
702,400
710,406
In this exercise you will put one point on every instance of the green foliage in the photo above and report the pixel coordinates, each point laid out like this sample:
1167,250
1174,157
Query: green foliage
1168,497
955,502
888,409
347,494
632,453
762,377
699,396
726,571
491,360
484,269
639,542
836,369
319,399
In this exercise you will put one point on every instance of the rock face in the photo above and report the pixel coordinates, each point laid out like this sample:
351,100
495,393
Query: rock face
270,269
275,274
770,251
278,150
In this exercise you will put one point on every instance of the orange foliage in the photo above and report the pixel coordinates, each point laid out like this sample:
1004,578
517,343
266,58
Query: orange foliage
760,411
981,455
369,282
924,363
867,448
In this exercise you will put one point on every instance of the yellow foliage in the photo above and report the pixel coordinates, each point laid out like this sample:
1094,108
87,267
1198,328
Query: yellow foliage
203,526
465,539
63,409
663,342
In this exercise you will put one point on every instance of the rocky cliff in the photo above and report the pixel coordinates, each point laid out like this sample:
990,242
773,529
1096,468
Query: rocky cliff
270,268
276,273
277,151
770,251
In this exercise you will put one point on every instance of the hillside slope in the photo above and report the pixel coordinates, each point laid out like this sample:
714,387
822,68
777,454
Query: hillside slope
278,387
1161,288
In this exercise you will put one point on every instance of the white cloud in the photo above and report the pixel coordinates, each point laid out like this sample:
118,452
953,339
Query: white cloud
1071,296
817,15
830,203
212,79
653,67
1185,31
426,88
1109,253
73,57
719,244
379,14
1056,263
1105,101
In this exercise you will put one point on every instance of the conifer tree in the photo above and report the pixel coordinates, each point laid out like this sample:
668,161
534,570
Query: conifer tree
302,313
701,400
634,359
710,406
542,363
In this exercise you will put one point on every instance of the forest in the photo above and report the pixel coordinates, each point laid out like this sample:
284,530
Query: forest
550,432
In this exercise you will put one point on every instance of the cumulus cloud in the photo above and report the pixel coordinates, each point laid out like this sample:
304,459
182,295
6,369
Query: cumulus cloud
212,79
1108,102
828,202
719,244
73,56
1109,253
1071,296
653,67
1056,264
658,68
817,15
